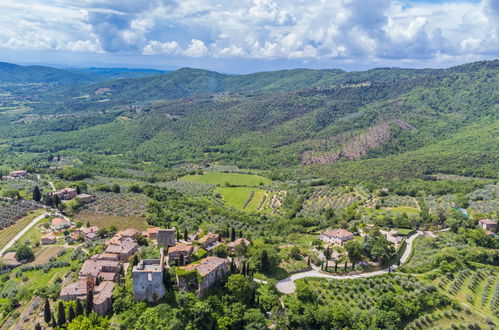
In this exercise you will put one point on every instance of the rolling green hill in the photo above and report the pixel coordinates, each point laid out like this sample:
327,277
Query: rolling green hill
367,125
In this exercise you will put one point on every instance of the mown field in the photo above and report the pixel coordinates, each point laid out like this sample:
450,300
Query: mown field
239,197
233,179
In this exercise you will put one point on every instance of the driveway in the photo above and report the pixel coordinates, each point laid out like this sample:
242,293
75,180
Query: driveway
288,286
25,229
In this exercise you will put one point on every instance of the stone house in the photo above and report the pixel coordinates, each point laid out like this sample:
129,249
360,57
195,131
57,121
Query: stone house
147,278
166,237
151,232
202,275
103,293
65,193
89,234
101,266
209,241
487,224
176,251
123,248
238,242
60,224
48,239
336,236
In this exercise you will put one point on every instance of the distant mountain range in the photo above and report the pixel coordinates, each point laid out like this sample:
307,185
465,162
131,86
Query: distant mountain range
356,125
42,74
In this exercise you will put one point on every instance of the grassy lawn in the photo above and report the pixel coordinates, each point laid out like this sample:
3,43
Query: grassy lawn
236,179
8,233
410,211
104,221
236,197
34,234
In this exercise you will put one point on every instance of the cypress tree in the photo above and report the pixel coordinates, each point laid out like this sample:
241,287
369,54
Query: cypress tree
186,235
38,326
178,235
89,302
78,190
181,260
61,314
54,323
71,314
240,234
232,234
79,308
47,314
264,261
37,195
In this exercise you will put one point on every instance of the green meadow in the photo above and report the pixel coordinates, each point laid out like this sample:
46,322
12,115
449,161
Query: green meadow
233,179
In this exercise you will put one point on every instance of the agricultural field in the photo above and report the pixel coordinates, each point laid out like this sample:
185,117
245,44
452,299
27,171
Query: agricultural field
325,197
10,211
440,204
232,179
373,214
122,204
241,198
189,187
394,201
45,253
8,233
476,289
405,297
104,221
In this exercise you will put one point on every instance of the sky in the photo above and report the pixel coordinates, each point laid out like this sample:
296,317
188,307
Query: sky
249,35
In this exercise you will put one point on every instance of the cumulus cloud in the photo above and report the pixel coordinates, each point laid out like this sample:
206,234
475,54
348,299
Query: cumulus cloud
257,29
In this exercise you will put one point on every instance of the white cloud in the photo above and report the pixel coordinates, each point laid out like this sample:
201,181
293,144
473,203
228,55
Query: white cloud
196,48
260,29
155,47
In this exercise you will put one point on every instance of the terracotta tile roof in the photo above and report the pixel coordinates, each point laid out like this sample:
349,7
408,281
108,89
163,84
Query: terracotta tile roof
105,291
209,236
152,230
125,246
181,247
238,241
10,256
105,256
487,221
339,233
78,288
129,232
206,266
49,236
59,221
95,266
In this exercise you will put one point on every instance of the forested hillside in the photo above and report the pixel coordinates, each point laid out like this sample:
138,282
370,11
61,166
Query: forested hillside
394,123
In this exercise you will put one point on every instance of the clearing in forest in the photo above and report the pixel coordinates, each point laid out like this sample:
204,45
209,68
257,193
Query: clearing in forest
233,179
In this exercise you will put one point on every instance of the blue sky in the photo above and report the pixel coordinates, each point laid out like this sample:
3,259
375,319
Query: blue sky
249,35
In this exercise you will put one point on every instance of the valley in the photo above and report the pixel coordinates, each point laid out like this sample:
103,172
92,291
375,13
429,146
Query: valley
293,199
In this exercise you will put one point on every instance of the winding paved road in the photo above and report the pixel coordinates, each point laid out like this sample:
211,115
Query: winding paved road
288,286
25,229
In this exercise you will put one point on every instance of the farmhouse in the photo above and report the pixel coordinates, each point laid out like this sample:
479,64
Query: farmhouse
65,193
209,241
336,236
176,251
202,275
148,279
102,293
99,267
60,224
151,232
243,242
48,239
165,237
487,224
124,247
88,234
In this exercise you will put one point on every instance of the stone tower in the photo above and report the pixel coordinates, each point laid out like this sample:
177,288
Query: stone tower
166,237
